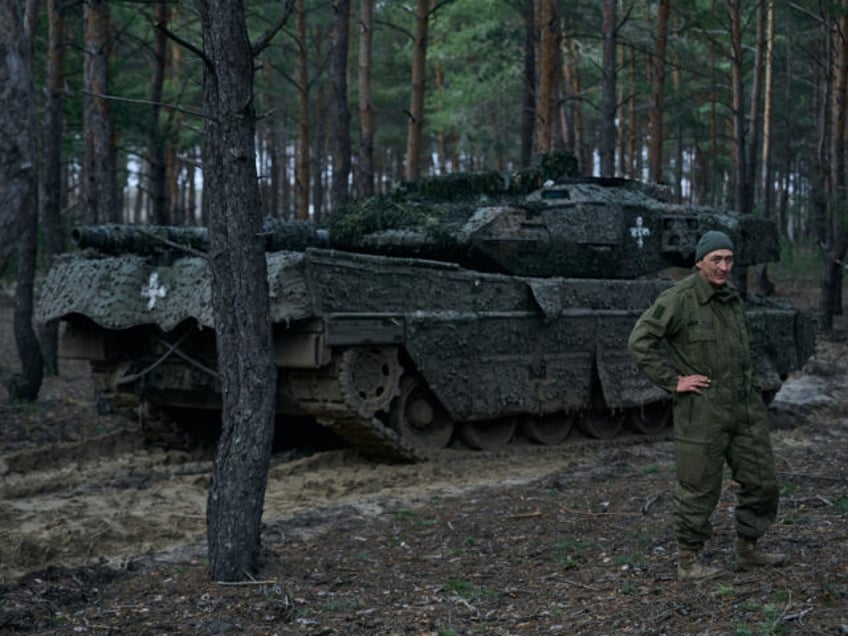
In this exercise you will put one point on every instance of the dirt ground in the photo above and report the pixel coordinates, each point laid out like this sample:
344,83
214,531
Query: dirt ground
100,534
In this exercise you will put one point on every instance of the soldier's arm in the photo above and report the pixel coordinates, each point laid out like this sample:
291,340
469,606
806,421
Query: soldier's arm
658,322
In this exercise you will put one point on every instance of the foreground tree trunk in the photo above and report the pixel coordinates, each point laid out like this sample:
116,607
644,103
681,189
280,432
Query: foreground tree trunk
18,194
239,294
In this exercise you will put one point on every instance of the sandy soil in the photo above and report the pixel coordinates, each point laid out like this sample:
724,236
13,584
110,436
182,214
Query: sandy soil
101,534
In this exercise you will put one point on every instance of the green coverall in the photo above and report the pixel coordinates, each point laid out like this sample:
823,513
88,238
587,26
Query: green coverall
708,334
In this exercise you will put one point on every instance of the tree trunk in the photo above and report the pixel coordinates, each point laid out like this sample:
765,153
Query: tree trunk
737,105
100,200
301,177
339,110
157,178
19,194
679,147
766,189
755,120
239,295
365,186
528,97
570,103
632,137
740,157
319,145
441,136
655,147
607,135
835,238
415,126
54,233
547,26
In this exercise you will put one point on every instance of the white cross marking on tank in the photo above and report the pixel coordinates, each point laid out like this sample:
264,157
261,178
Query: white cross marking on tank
153,290
639,231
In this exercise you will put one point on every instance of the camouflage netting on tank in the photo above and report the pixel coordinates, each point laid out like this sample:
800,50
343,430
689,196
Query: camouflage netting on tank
437,207
123,292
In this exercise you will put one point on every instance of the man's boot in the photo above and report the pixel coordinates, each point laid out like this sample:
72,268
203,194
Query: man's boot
748,554
689,567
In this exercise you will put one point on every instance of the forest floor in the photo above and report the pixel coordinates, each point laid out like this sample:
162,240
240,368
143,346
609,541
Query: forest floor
100,534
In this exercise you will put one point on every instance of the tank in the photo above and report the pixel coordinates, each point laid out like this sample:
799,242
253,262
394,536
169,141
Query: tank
415,321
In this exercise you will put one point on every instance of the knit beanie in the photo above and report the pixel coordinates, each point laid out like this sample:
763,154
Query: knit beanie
711,241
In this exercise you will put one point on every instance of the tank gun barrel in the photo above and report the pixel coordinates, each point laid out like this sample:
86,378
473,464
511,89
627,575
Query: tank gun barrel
116,238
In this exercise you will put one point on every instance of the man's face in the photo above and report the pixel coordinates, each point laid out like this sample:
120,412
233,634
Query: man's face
715,267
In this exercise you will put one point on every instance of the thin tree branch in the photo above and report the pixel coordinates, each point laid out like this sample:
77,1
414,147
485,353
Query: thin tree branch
265,39
438,6
184,43
146,102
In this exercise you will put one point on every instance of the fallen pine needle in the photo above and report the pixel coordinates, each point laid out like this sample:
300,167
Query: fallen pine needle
526,515
236,583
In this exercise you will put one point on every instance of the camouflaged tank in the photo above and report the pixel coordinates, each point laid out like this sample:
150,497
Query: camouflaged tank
413,320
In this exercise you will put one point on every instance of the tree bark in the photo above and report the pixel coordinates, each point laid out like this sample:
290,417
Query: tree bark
655,147
737,105
100,199
741,187
606,144
528,97
365,186
19,194
415,125
755,119
319,144
633,139
339,109
766,187
577,142
52,191
831,298
301,177
547,26
157,178
239,294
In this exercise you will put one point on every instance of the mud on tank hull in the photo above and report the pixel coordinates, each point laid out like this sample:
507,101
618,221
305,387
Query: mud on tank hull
398,356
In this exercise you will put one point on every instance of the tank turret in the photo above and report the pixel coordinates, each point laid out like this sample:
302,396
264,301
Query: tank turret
577,228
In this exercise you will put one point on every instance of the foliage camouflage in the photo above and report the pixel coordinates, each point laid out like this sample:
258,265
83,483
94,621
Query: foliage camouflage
439,206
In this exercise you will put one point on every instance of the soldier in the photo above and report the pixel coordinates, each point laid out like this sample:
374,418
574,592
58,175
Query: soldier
719,414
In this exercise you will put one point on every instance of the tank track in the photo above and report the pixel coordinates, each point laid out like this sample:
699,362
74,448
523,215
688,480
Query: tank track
351,398
363,382
367,434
